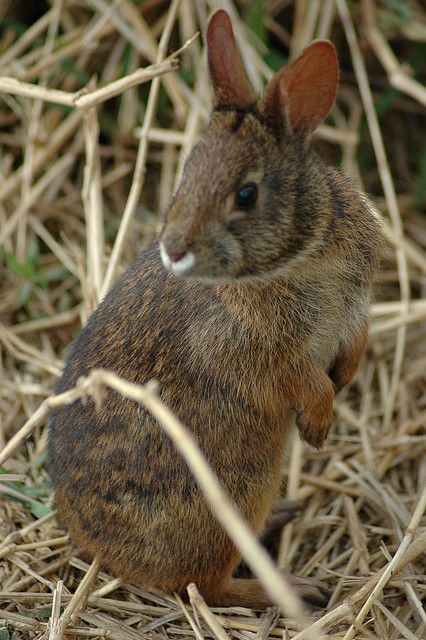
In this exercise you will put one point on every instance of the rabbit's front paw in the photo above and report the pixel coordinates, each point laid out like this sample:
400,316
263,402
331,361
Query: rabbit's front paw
348,358
315,415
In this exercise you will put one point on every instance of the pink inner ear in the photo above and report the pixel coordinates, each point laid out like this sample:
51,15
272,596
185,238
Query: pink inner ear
230,83
309,85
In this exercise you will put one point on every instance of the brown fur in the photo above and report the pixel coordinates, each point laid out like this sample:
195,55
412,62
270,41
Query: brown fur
270,319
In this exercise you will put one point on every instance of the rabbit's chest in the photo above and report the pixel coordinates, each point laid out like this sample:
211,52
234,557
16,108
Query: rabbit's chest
255,341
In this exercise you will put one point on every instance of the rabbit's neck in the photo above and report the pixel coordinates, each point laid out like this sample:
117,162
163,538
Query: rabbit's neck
274,304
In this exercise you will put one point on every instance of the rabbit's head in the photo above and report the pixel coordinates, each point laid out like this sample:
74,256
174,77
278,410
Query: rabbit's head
242,210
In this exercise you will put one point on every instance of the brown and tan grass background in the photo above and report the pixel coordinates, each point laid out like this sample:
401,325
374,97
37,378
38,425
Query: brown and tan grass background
97,115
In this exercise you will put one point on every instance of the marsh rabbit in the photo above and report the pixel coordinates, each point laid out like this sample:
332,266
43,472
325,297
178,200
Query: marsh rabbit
251,309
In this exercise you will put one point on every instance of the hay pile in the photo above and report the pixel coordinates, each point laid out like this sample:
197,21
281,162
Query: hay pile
86,163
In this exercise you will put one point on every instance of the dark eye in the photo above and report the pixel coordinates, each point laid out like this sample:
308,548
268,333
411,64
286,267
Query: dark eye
247,196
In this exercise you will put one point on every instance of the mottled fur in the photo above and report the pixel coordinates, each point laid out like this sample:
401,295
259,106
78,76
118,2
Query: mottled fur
272,318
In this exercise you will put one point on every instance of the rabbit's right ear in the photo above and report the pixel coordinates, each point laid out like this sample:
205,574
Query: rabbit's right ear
303,93
230,83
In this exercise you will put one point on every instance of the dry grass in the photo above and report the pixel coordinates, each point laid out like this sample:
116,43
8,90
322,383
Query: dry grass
80,188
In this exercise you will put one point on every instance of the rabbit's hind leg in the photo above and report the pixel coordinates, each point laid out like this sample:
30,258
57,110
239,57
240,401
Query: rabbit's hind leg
239,592
282,512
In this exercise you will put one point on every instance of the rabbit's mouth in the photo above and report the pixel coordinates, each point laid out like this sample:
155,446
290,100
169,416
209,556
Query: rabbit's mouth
179,264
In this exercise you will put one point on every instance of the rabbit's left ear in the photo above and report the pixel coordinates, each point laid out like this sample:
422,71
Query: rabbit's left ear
304,91
230,83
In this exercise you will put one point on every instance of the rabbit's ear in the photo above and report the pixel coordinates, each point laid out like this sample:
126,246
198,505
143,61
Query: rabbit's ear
230,84
304,91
